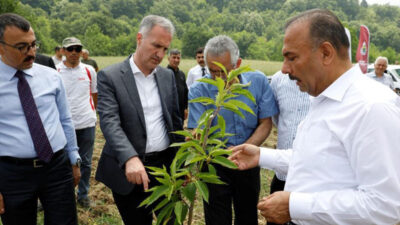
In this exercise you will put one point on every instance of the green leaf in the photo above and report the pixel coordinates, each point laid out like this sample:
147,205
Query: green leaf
245,93
238,71
178,211
165,213
181,174
233,108
220,66
189,191
218,152
217,142
203,119
158,191
202,187
184,133
196,159
220,135
224,162
221,124
211,169
161,204
241,105
221,84
209,178
203,100
208,80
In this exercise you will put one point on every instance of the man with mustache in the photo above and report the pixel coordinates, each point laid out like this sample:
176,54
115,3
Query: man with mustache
199,70
343,168
138,108
80,82
37,138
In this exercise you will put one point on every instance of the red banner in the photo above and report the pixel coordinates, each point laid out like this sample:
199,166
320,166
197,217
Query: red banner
363,49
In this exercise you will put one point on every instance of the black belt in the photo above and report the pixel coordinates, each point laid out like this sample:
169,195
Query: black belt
35,162
155,155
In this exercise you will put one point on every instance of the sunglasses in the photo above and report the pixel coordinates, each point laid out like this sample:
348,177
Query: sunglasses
77,48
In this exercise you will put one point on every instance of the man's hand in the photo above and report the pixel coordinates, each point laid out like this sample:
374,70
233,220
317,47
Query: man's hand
245,156
2,210
136,173
76,173
275,208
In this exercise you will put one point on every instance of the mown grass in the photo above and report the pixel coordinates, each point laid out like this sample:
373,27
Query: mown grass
104,211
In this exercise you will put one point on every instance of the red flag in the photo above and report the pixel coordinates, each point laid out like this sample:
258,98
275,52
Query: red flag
363,49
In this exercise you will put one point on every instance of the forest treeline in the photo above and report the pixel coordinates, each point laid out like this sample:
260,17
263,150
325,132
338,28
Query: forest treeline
108,27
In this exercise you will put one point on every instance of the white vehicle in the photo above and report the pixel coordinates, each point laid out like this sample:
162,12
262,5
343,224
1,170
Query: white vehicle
394,72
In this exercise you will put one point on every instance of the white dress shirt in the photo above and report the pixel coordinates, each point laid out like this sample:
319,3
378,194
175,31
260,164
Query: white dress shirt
157,136
344,167
194,74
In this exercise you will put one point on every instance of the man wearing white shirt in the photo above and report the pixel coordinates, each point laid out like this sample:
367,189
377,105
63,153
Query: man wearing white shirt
343,168
199,70
379,74
81,87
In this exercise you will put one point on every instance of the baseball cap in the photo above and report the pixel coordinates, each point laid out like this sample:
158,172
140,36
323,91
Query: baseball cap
71,41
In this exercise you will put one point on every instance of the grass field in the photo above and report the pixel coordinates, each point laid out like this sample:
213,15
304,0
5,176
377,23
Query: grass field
104,211
267,67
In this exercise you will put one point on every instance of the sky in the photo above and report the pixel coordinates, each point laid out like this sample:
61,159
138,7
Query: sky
382,2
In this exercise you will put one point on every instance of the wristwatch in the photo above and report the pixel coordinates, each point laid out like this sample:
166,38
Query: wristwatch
78,163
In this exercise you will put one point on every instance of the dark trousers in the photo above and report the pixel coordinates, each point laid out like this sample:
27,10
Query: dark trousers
242,189
276,185
128,204
85,138
21,185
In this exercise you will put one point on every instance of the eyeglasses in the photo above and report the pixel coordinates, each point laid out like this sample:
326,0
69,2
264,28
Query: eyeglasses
77,48
23,47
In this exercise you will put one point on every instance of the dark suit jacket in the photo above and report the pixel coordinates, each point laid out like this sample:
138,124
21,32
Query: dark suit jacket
122,120
180,81
44,60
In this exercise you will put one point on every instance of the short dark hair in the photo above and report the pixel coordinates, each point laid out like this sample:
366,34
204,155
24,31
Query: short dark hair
11,19
174,52
57,48
200,50
324,26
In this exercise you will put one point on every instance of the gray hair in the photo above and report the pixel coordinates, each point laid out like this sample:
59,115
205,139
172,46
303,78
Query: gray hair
220,45
11,19
174,52
382,57
150,21
85,51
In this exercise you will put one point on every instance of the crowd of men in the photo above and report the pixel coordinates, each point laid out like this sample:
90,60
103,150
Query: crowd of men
338,130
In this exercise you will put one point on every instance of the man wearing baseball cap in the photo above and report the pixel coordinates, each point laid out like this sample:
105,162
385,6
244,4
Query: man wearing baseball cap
80,84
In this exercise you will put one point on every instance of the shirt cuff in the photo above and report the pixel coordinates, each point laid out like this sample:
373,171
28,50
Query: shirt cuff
268,158
300,205
73,156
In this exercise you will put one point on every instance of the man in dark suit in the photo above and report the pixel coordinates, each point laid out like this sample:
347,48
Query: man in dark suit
138,108
44,60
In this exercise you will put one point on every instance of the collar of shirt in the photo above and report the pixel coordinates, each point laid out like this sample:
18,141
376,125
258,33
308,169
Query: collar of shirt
63,66
135,68
173,69
338,88
9,71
